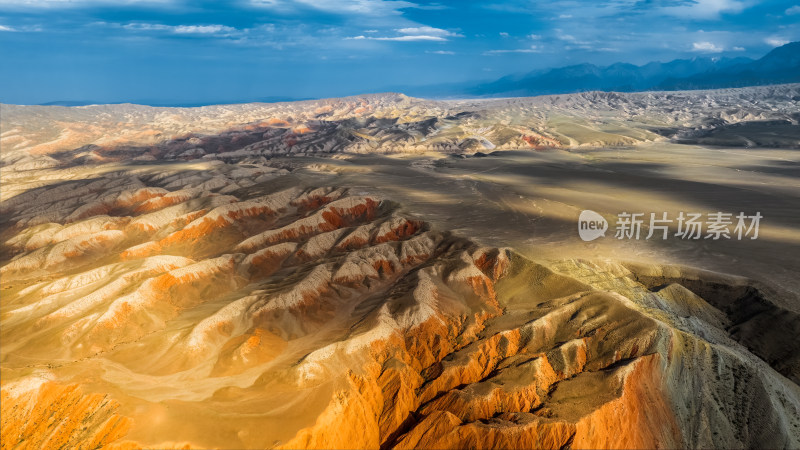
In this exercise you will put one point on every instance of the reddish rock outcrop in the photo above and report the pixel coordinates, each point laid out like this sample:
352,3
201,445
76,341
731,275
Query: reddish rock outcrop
50,415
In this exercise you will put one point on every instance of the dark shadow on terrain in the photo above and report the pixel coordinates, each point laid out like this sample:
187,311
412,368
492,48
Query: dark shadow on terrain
747,134
769,133
789,169
8,226
770,332
268,139
776,204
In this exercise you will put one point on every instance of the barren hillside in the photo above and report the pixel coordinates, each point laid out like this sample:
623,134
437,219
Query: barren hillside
359,273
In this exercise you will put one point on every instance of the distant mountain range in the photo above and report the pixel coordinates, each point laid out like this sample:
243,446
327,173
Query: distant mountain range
781,65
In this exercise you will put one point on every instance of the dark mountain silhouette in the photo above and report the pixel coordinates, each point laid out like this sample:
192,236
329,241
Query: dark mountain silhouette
781,65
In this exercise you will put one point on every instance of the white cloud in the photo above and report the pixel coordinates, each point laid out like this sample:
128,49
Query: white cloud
202,29
419,37
503,34
573,40
177,29
144,26
427,31
531,49
565,16
407,38
412,34
5,28
442,52
793,10
79,3
567,37
738,49
776,42
364,7
707,47
535,37
706,9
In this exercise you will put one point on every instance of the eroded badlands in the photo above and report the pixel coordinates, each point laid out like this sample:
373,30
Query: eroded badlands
155,297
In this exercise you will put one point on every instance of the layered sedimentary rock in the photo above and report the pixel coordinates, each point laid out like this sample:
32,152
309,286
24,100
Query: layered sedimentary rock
155,308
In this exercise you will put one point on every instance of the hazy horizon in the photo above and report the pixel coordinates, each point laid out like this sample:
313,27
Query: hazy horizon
175,52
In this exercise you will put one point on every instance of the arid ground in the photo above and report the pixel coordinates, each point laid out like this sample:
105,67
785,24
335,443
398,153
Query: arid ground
392,272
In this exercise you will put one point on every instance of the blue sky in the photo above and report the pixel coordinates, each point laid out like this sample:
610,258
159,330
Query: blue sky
176,51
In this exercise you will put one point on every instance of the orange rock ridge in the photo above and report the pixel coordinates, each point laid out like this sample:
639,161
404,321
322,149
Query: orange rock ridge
399,336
